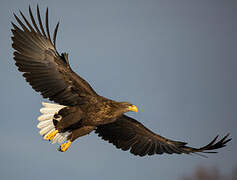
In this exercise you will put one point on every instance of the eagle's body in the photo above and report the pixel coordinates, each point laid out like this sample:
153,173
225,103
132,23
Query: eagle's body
79,109
85,117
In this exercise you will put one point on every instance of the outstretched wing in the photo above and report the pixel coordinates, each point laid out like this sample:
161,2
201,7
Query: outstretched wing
127,133
45,70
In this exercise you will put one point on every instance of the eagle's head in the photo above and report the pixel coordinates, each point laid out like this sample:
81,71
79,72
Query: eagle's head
126,106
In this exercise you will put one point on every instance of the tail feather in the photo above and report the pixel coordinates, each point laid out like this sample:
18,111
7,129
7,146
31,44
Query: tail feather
46,129
51,105
43,124
46,124
45,117
49,110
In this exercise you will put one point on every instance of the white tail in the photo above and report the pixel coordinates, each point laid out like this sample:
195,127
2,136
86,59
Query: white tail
46,125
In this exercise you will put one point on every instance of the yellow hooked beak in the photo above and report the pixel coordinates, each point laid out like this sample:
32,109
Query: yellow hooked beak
133,108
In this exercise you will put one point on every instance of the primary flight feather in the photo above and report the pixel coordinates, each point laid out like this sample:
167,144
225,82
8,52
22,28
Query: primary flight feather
79,109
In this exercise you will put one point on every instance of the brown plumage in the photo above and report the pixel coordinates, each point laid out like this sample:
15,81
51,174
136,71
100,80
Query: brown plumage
81,110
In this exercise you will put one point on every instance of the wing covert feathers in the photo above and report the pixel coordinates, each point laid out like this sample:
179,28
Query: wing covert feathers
128,134
43,68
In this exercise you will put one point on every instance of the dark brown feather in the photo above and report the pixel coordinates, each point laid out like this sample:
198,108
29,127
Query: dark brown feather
42,66
33,21
47,24
55,35
145,142
40,22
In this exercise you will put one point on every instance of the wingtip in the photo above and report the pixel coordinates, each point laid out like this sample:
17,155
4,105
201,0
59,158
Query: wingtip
226,141
14,15
37,8
29,8
21,14
12,23
227,135
47,11
20,11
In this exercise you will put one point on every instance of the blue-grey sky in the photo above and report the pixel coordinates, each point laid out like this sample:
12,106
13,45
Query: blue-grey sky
176,60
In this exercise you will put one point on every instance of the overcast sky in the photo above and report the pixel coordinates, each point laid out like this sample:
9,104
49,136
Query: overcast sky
175,60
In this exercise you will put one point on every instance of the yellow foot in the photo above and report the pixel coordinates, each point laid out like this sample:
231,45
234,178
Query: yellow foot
65,146
51,135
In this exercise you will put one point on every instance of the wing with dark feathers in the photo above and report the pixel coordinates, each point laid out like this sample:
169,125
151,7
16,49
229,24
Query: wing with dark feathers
45,70
127,133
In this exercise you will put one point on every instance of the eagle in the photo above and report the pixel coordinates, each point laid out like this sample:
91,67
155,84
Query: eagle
78,109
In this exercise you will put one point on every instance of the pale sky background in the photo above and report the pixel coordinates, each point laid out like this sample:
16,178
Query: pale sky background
176,60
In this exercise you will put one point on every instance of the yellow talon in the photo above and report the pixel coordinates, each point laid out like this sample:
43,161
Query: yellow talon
65,146
51,135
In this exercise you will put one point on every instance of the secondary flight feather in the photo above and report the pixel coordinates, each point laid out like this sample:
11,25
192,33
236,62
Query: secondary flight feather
79,109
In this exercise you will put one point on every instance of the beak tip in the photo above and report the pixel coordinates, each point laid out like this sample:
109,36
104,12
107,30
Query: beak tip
133,108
